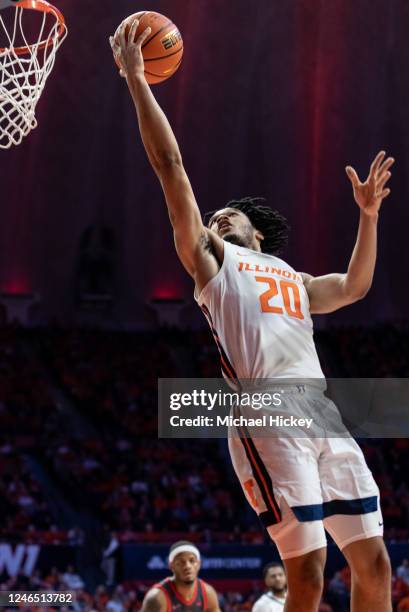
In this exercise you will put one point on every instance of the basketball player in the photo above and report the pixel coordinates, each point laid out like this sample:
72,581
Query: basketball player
259,310
273,599
184,591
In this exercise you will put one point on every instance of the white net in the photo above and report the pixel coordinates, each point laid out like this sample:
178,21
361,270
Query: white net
23,73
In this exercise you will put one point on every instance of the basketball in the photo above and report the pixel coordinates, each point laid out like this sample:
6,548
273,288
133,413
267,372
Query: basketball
163,49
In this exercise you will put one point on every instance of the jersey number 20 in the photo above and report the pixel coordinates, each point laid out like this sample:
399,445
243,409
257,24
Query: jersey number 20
284,287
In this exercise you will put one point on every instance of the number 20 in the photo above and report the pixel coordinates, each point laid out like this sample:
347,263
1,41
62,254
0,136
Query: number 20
285,287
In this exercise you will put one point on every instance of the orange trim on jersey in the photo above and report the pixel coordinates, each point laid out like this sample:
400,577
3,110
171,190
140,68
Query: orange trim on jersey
260,475
223,356
180,597
226,366
229,370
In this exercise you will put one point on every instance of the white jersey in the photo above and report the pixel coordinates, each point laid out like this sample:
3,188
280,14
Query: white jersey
269,603
259,312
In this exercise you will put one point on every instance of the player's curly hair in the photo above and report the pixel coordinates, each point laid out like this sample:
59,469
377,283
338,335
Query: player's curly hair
269,222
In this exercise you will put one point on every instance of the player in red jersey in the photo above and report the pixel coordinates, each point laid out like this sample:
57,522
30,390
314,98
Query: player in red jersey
183,591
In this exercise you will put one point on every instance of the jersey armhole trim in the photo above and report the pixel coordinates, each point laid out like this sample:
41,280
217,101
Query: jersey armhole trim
167,597
203,586
306,292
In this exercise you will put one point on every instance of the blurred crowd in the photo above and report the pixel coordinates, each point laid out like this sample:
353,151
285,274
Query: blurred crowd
128,597
101,599
143,485
79,408
112,461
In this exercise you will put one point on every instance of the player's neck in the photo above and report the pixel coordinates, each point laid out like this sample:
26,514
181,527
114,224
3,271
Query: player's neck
255,246
185,590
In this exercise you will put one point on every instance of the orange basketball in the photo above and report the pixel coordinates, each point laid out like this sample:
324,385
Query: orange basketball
163,49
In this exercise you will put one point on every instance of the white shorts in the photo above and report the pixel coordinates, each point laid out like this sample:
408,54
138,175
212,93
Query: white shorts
301,486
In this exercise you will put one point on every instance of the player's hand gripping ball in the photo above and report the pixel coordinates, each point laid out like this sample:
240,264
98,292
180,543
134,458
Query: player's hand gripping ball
162,49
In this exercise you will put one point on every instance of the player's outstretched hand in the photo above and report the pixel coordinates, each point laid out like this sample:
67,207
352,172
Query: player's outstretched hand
369,195
127,51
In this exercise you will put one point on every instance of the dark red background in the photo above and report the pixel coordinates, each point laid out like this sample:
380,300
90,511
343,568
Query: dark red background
273,98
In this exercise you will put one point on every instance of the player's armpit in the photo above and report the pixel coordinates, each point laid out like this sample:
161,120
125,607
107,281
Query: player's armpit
203,259
212,600
328,293
155,601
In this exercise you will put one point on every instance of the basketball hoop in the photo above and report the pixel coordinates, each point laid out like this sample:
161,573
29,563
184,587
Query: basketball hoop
25,65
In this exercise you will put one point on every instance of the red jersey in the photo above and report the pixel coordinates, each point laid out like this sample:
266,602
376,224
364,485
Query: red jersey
177,603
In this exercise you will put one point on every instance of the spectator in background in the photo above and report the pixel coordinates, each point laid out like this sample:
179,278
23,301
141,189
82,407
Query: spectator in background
110,560
75,537
72,580
52,579
402,571
101,598
338,593
116,603
275,580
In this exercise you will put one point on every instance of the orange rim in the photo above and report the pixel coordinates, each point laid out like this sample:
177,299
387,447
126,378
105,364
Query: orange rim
43,7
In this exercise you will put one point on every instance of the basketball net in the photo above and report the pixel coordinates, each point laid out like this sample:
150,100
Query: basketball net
25,66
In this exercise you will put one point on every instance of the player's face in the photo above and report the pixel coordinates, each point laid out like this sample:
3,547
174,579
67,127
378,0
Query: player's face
186,567
233,226
276,579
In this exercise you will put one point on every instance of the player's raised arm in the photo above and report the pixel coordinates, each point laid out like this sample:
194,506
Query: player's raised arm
332,291
193,241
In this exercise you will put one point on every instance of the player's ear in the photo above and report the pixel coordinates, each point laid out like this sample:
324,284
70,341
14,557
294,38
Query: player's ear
259,236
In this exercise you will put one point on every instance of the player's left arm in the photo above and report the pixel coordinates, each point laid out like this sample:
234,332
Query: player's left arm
212,599
332,291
